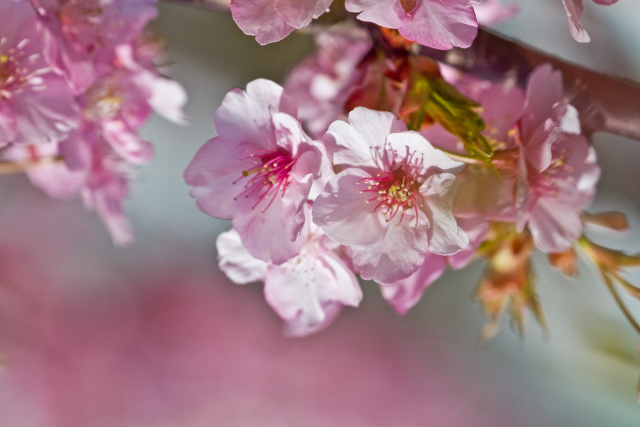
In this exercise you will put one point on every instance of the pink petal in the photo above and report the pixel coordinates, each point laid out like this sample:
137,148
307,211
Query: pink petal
502,107
45,115
476,230
298,13
352,143
57,180
336,280
168,100
212,173
276,233
236,262
555,226
343,213
245,116
288,132
404,294
574,9
126,142
259,18
441,24
482,192
544,90
492,12
386,13
445,237
395,257
298,327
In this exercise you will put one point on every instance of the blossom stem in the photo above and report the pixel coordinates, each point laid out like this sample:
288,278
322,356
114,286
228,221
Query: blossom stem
469,160
618,299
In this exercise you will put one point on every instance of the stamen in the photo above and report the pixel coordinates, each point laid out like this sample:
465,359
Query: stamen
395,193
268,179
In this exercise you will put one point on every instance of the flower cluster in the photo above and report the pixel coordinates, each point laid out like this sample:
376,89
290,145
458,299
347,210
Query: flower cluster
394,189
77,80
439,24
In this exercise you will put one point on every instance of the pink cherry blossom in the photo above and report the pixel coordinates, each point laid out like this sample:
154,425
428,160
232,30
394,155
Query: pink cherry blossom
574,9
116,106
440,24
307,291
322,83
88,31
259,171
558,170
273,20
36,104
392,202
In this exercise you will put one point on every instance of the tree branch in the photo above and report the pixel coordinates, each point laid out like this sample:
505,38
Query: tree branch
606,103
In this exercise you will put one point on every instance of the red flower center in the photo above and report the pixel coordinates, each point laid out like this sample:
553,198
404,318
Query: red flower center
268,177
395,192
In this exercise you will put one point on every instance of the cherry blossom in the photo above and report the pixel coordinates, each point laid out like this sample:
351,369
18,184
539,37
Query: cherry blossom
558,170
307,291
322,82
88,31
259,171
391,203
36,104
440,24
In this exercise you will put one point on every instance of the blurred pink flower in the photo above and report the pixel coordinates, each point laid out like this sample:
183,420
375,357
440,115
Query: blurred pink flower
322,82
307,291
36,104
558,169
88,31
440,24
165,348
406,184
259,171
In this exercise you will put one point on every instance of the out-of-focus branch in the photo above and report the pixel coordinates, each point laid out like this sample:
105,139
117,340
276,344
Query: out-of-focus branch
216,5
605,103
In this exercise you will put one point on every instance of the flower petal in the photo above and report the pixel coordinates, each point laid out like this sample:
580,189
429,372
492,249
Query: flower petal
236,262
343,213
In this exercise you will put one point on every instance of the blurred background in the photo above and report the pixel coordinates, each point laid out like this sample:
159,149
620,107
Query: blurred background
154,335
